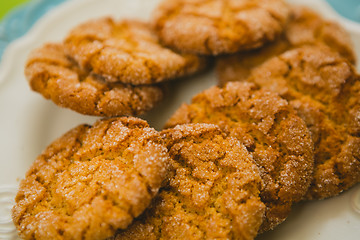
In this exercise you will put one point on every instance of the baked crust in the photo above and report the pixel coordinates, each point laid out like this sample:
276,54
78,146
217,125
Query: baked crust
324,89
212,194
127,51
214,27
91,181
305,27
269,128
56,76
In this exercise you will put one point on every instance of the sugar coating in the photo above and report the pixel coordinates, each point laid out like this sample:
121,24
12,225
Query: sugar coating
305,27
127,51
91,181
324,89
269,128
56,76
213,192
214,27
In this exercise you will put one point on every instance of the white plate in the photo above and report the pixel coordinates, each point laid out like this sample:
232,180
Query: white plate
28,123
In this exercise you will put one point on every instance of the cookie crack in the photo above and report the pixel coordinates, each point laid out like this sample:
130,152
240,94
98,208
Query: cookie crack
273,15
309,95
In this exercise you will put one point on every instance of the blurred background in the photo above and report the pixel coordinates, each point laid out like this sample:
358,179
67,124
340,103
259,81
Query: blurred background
6,6
17,17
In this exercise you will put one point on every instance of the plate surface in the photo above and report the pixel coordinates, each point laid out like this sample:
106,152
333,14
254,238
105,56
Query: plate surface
28,123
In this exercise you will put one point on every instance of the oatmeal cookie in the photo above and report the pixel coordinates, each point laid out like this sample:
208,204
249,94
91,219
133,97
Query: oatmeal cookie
58,77
324,89
305,27
269,128
91,181
214,27
212,194
127,51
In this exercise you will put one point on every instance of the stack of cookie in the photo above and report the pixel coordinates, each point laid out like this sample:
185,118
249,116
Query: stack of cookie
108,68
283,125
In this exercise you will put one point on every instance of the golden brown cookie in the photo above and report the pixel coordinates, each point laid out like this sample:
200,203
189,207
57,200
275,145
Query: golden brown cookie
91,181
213,193
324,89
305,27
269,128
215,27
127,51
58,77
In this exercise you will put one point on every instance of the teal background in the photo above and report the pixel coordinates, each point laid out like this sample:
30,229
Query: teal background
18,21
347,8
7,5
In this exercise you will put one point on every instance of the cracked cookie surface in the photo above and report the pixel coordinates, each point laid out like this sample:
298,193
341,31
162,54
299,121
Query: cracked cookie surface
324,89
213,192
91,181
305,27
269,128
214,27
127,51
56,76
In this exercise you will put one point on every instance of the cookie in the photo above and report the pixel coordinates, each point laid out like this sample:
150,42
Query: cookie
305,27
214,27
56,76
269,128
127,51
91,181
324,89
213,193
